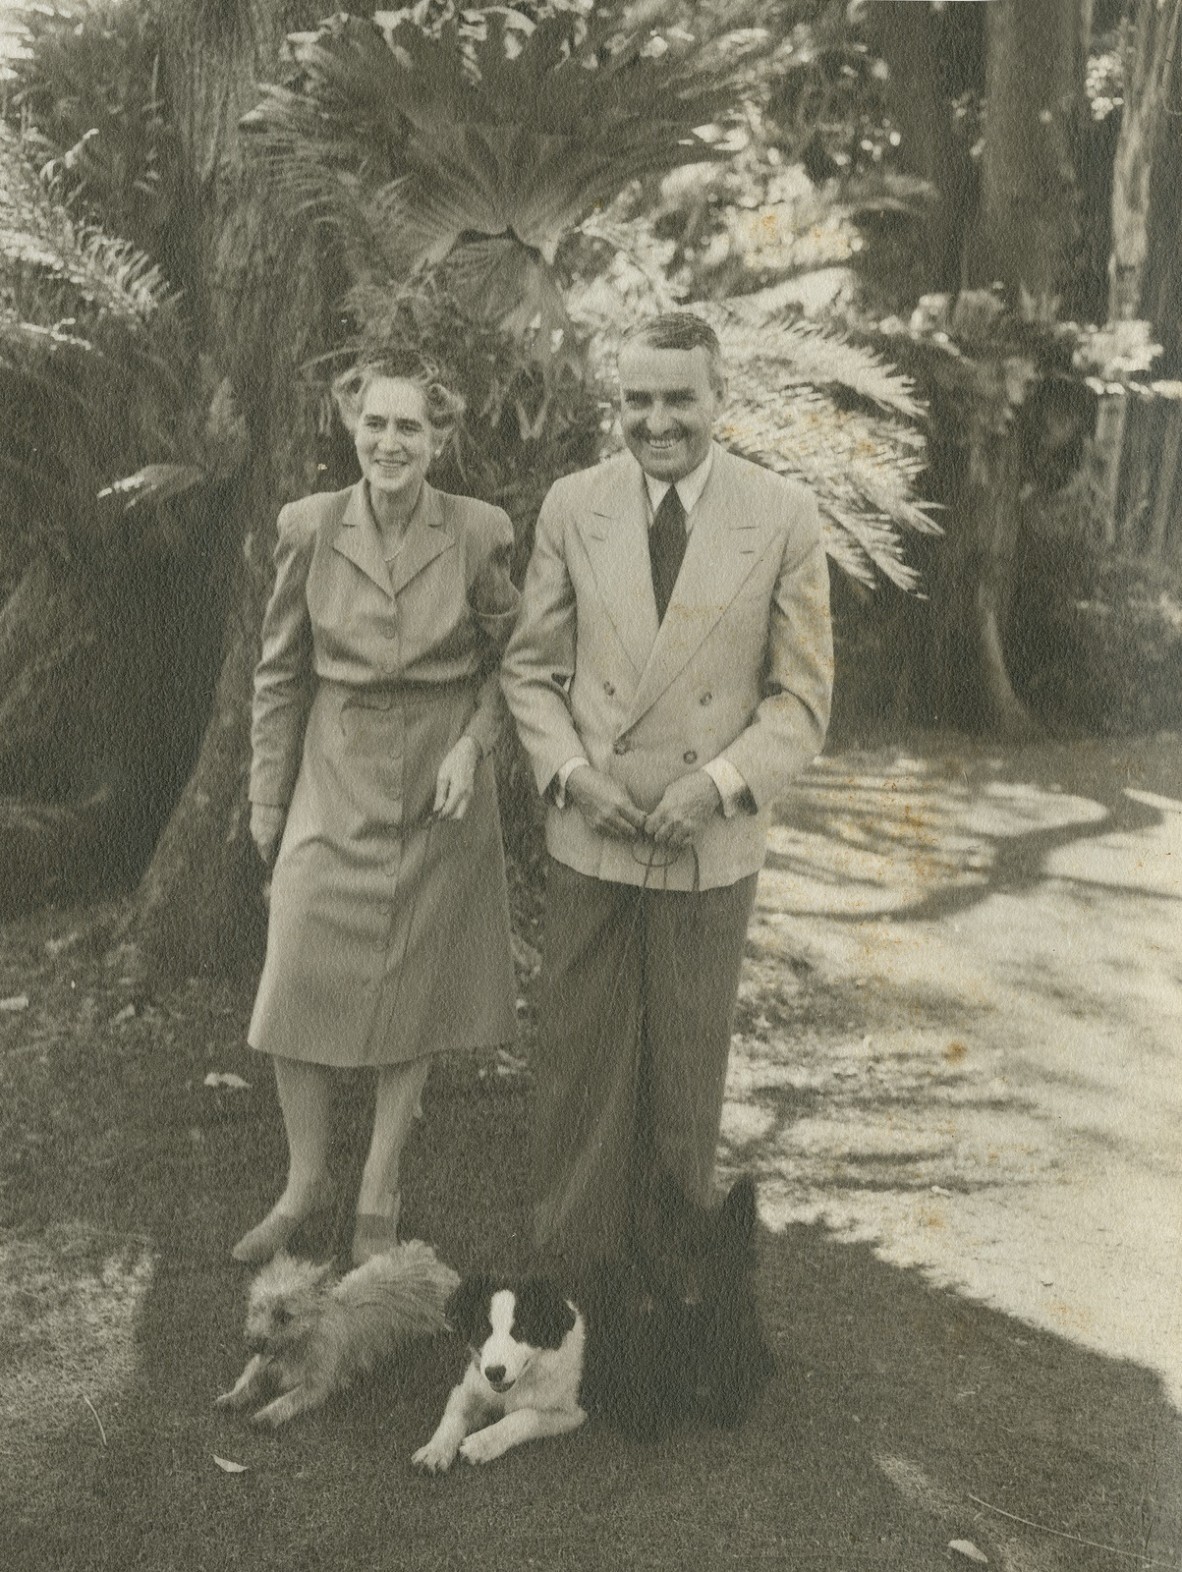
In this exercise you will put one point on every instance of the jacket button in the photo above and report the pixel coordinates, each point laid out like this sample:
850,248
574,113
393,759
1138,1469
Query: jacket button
609,689
620,746
690,756
706,698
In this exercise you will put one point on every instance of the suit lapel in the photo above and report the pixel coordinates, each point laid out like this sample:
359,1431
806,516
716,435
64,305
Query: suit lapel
614,531
724,545
357,539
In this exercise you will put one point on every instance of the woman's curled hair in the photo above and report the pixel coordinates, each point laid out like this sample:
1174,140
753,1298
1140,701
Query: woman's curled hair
444,407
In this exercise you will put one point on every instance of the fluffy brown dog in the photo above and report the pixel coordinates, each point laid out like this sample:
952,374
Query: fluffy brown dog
313,1332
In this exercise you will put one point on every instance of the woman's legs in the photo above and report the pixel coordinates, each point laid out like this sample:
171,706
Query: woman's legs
395,1105
305,1098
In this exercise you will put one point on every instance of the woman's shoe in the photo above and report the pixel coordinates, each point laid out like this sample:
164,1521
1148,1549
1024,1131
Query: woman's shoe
375,1234
276,1230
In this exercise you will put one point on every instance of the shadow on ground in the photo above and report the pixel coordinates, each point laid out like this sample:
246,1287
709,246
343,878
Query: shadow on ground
895,1405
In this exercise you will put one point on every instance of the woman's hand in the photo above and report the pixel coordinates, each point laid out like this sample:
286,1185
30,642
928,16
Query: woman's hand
266,826
456,779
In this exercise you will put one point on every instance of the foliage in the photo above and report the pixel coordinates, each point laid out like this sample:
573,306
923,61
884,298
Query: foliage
88,97
520,430
1097,634
811,404
474,147
470,158
96,375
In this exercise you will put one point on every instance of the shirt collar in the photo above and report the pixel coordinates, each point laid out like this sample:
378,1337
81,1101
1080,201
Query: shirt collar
689,488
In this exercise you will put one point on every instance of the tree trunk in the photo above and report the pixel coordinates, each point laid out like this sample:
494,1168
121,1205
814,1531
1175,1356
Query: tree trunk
260,317
1027,229
1144,271
1025,238
993,512
933,59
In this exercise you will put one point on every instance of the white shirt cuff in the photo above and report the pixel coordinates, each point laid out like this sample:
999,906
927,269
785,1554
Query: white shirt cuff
732,788
564,774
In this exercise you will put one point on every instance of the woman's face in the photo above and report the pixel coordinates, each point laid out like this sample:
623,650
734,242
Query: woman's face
394,440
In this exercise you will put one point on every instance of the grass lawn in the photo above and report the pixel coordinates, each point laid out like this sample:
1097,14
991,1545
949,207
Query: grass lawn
124,1180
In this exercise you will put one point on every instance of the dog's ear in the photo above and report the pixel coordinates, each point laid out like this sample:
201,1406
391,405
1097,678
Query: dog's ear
543,1315
736,1218
466,1311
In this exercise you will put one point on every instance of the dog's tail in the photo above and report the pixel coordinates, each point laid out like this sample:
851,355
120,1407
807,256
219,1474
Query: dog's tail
407,1286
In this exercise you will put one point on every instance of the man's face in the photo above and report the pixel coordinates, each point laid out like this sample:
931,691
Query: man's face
668,406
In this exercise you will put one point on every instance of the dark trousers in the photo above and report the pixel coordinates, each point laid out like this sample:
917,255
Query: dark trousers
636,1012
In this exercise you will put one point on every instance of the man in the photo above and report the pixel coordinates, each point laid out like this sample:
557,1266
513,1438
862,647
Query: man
669,676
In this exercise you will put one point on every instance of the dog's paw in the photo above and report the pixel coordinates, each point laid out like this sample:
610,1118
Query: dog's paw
480,1447
434,1458
281,1411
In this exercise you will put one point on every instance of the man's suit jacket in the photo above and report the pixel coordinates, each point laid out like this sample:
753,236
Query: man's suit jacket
740,667
436,616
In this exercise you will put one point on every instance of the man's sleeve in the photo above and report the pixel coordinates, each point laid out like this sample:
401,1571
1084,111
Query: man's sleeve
732,788
788,728
540,660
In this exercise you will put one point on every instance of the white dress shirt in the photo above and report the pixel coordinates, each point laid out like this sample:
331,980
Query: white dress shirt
732,788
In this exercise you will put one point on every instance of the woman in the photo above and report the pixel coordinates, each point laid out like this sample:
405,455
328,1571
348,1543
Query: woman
376,707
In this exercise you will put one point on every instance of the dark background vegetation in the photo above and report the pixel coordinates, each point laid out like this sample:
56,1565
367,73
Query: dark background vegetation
939,242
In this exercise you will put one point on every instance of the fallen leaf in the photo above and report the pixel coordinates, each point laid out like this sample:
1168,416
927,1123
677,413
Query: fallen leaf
19,1001
226,1078
966,1548
227,1467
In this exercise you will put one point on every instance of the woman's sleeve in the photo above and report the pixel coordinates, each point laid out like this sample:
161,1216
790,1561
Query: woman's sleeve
282,678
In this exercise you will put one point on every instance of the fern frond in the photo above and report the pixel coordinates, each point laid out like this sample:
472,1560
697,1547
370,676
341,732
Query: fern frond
94,271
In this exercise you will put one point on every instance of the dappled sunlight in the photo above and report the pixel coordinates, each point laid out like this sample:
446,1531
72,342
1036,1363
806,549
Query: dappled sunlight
958,1034
853,843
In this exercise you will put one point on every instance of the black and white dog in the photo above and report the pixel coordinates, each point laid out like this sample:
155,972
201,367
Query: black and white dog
526,1344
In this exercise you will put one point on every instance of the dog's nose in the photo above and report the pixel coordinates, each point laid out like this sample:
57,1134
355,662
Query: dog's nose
494,1374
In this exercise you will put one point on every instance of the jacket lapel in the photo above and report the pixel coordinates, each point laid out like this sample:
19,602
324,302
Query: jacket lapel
427,537
614,531
357,539
724,545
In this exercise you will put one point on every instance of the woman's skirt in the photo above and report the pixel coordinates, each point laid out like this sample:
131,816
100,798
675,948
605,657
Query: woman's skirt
389,932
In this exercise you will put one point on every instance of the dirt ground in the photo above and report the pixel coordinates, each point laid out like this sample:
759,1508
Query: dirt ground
994,1095
955,1075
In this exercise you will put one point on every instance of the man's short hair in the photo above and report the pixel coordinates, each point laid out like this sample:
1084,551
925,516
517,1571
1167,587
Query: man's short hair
679,330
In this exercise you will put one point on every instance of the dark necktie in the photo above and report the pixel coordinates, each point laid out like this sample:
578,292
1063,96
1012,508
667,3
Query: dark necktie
666,546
